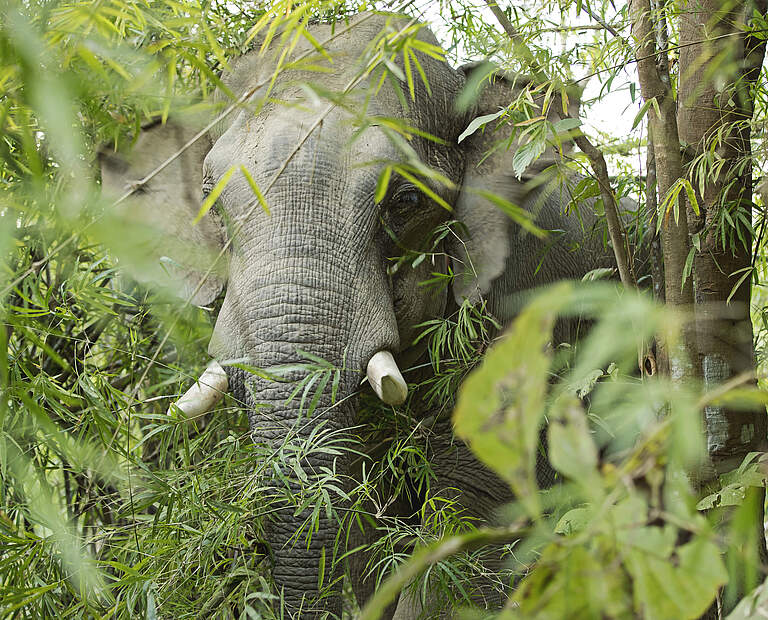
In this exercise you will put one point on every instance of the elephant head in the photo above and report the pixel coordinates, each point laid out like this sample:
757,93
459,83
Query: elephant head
318,189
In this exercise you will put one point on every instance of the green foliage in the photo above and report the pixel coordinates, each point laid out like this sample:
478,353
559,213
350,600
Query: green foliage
621,536
506,394
111,508
96,493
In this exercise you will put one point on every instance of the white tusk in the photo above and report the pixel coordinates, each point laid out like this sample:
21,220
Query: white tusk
207,391
386,380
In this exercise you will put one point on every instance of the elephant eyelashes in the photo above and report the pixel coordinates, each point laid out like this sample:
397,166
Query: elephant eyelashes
406,198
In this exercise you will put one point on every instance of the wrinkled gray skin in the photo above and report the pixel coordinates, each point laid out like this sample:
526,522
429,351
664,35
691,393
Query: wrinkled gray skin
313,274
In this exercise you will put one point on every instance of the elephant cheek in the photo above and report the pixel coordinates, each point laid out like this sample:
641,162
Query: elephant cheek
223,343
416,301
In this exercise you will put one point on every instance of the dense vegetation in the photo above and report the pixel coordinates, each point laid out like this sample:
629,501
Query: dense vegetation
111,507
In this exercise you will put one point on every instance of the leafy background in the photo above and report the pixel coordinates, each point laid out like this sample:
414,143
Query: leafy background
110,507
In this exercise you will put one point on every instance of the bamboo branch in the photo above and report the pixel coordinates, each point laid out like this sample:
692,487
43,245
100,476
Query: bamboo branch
615,229
432,554
602,22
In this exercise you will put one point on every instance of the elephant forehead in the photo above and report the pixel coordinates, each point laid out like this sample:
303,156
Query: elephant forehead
291,147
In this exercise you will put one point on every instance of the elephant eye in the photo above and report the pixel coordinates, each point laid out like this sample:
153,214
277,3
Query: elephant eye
410,197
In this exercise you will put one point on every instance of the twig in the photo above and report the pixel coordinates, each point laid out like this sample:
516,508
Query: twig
665,50
615,229
600,21
571,28
724,388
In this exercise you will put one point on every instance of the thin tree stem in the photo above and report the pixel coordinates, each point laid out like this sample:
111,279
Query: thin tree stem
662,117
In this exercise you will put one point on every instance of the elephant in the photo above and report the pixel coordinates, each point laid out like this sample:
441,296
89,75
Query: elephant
316,189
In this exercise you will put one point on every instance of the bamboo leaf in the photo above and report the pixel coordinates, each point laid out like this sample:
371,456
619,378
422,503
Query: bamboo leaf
256,190
533,121
644,110
519,215
420,69
691,196
424,188
408,73
747,272
479,122
382,184
211,199
688,267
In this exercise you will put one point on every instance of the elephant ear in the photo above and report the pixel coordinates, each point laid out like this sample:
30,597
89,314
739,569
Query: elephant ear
155,231
499,162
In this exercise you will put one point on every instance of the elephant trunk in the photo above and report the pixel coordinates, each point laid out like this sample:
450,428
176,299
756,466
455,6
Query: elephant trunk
301,541
300,460
314,306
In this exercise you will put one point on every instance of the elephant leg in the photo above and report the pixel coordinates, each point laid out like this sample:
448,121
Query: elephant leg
476,493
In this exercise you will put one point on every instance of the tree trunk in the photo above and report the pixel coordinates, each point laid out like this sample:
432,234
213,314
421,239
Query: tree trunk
655,86
718,66
651,207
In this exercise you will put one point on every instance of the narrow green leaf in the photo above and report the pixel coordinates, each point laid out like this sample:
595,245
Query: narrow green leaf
691,196
393,68
479,122
382,184
321,570
256,190
408,73
214,195
643,111
420,69
655,104
313,41
429,49
688,266
519,215
670,201
528,153
748,271
424,188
